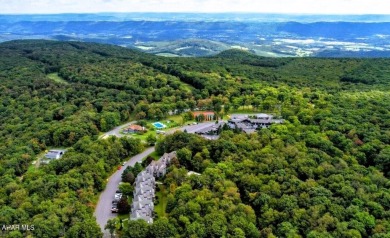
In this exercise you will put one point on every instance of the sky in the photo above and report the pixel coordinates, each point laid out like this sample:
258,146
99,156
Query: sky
260,6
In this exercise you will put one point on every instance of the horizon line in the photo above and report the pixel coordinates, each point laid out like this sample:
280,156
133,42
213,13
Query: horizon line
206,13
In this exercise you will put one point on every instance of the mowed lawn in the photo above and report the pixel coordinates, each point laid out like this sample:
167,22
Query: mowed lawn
142,137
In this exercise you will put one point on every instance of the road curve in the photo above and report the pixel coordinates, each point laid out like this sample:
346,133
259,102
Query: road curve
116,130
103,207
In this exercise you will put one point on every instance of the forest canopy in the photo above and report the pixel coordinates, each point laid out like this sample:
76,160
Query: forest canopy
323,173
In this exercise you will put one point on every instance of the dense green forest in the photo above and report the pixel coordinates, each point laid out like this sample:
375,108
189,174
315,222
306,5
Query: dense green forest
323,173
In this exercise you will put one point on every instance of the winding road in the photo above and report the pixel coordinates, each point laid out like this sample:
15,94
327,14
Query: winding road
103,207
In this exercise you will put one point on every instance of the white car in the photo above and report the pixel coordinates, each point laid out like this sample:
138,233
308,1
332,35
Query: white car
118,196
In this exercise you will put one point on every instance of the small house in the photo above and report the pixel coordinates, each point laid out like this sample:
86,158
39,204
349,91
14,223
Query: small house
54,154
134,129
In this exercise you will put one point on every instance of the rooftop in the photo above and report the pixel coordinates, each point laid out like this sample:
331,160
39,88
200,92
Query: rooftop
135,127
54,154
202,113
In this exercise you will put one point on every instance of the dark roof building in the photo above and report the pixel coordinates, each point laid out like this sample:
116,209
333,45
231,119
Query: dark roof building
249,123
54,154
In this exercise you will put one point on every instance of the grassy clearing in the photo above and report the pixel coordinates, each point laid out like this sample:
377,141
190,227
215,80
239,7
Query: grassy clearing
123,216
161,201
142,137
176,118
56,78
186,87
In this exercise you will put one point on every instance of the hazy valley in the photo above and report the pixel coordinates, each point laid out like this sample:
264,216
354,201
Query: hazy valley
209,34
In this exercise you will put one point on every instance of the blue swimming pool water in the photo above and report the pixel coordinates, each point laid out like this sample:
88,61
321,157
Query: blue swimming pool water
159,125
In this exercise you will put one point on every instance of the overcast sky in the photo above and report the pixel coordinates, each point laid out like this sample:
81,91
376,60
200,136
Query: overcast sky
262,6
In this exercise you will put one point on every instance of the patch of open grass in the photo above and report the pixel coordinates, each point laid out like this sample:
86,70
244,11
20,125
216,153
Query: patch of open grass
56,78
123,216
143,136
154,155
161,201
176,118
32,168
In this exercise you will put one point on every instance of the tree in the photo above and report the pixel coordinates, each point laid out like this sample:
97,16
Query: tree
123,205
216,224
382,161
87,228
136,229
147,161
140,115
112,225
196,229
184,155
200,118
151,139
128,177
162,228
238,233
126,189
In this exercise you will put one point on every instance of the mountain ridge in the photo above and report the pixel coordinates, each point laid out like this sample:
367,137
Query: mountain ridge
271,37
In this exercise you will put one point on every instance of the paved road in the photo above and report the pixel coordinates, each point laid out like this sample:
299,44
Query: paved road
103,207
193,128
116,130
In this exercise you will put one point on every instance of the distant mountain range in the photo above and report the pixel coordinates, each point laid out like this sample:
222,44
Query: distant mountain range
191,34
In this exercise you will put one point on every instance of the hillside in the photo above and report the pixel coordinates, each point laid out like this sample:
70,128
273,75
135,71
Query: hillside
201,34
323,173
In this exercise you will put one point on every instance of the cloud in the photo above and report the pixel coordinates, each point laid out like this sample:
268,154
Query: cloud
274,6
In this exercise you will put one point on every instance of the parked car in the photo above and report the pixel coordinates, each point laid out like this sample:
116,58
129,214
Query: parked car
114,206
118,196
114,209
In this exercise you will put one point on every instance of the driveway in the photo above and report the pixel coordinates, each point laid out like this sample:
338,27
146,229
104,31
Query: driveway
103,207
116,130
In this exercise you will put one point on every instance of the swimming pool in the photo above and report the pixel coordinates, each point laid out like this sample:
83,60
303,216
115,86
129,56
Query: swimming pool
159,125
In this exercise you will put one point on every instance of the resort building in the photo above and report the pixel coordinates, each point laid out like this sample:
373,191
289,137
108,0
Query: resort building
207,116
144,188
211,132
249,123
